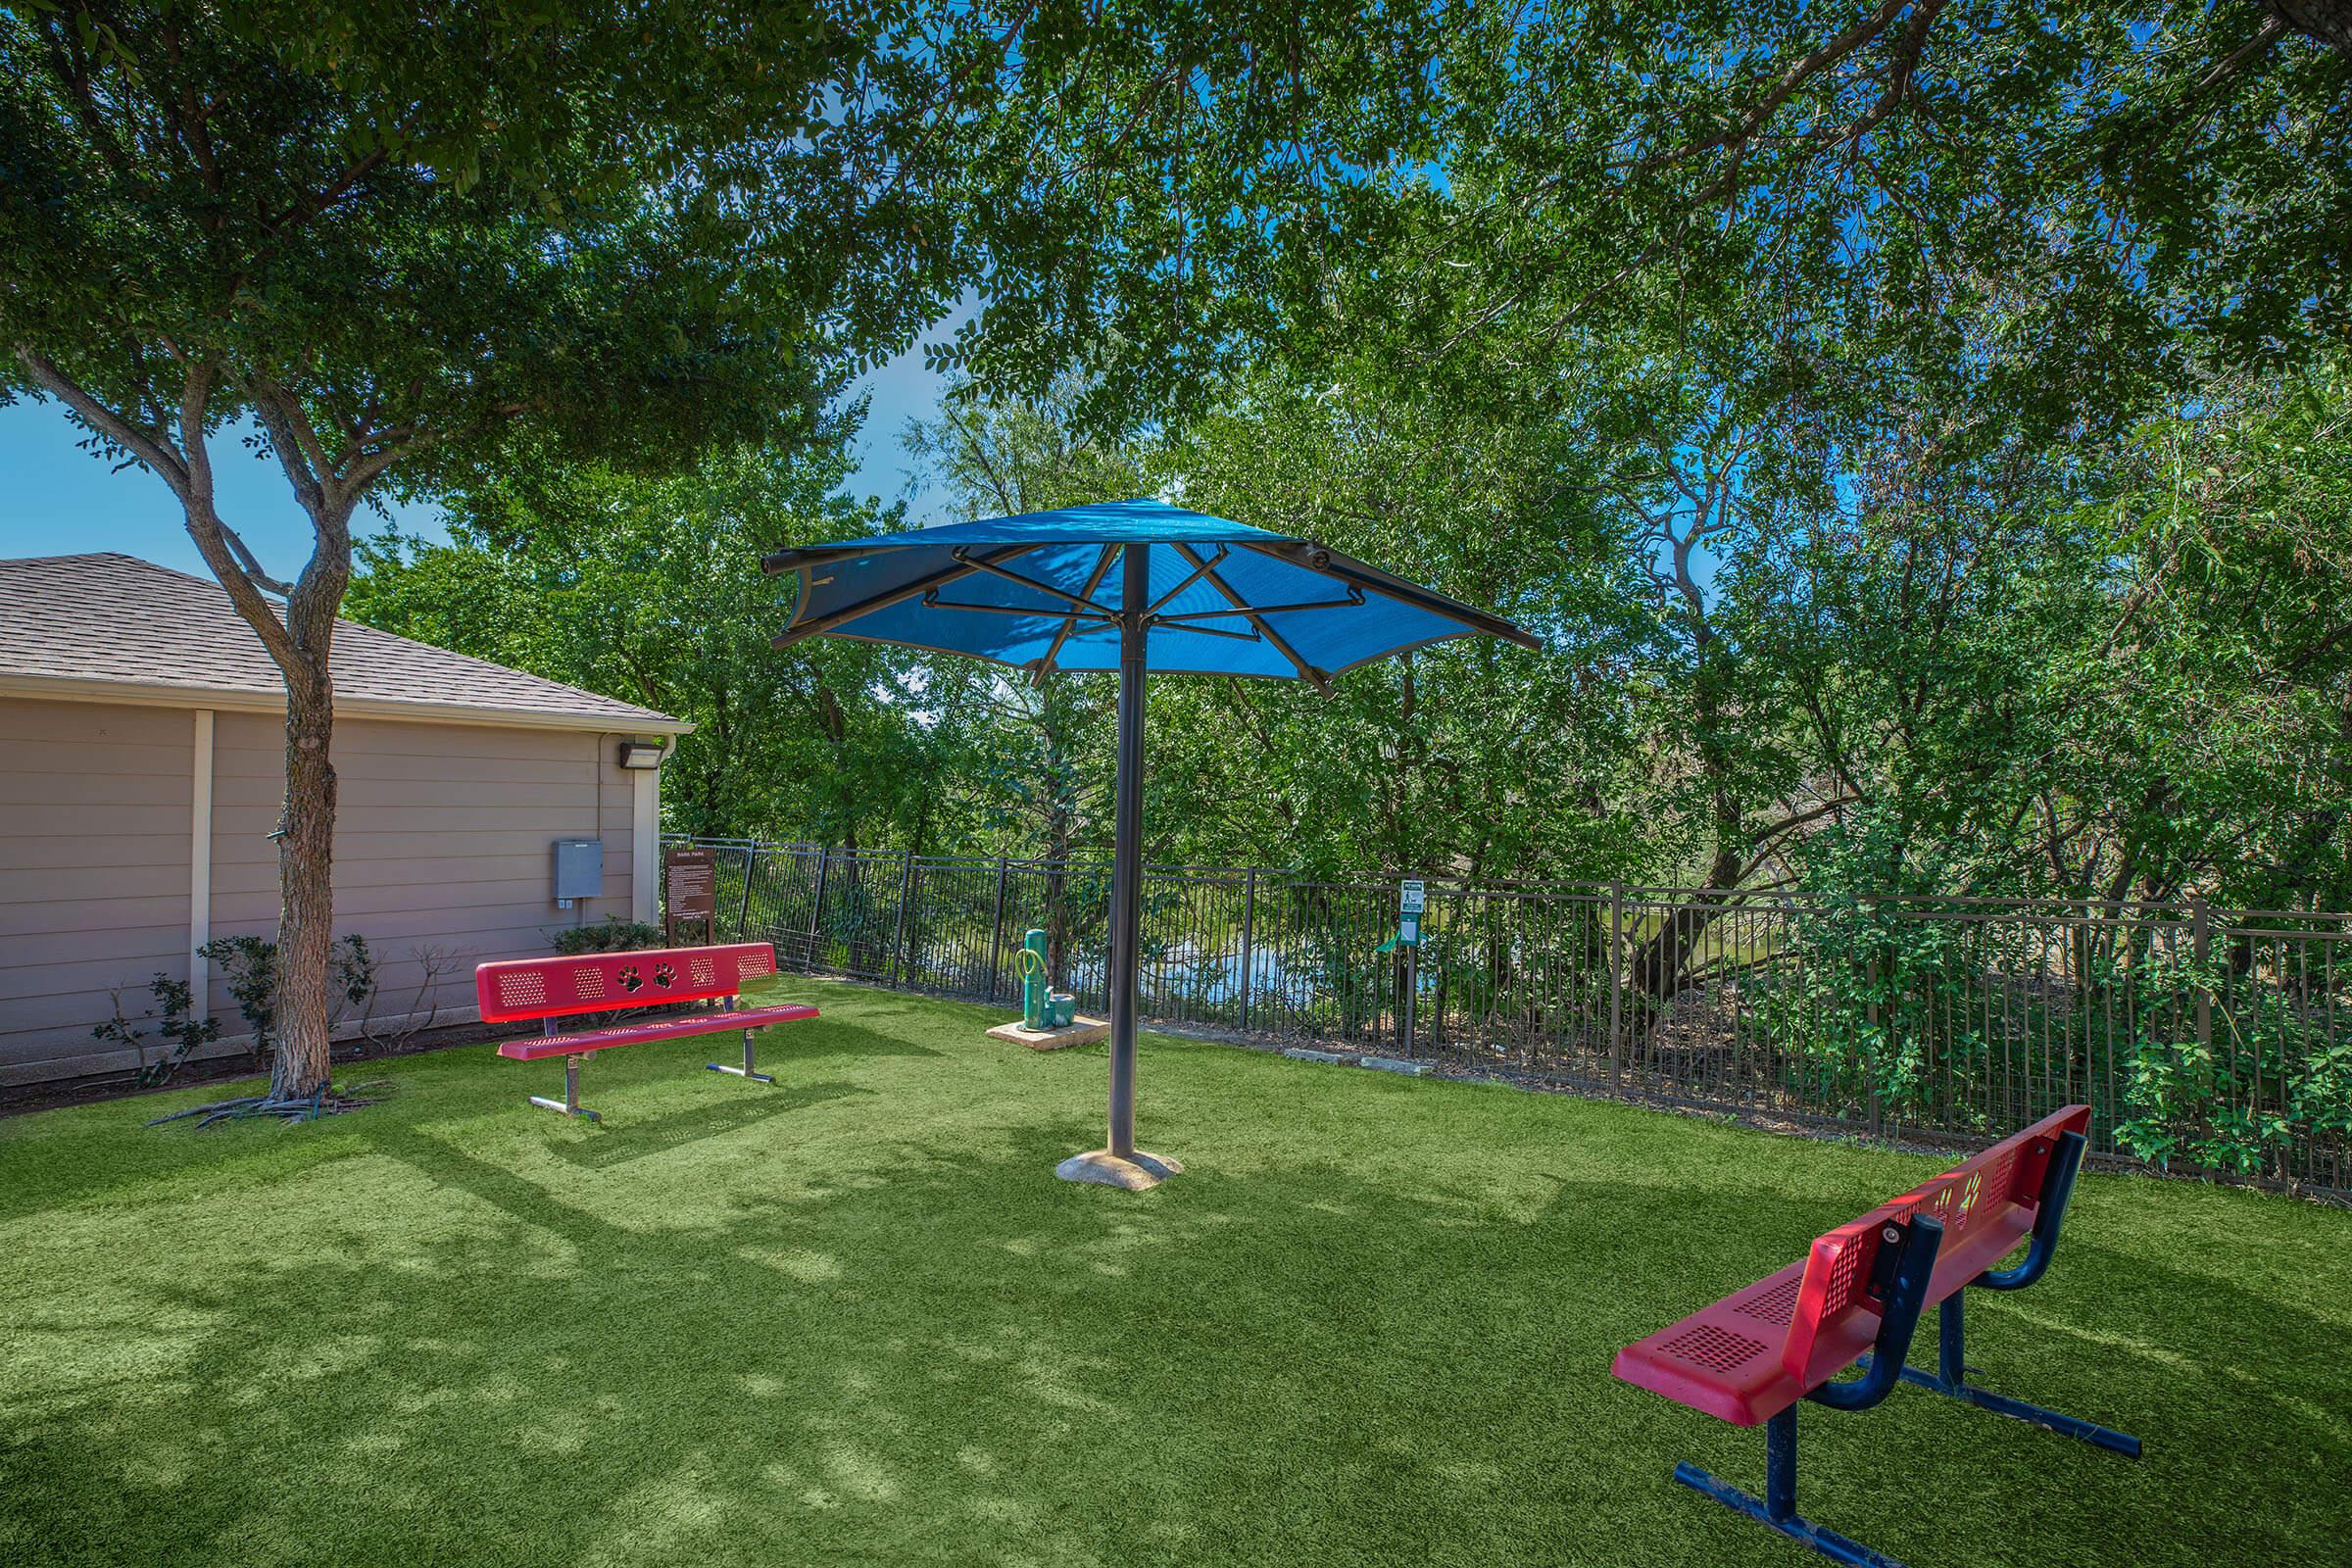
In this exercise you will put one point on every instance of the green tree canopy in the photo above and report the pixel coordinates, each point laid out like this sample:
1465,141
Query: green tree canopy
650,589
419,247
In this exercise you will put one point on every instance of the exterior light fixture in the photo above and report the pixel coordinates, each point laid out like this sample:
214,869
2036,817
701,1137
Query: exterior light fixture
641,754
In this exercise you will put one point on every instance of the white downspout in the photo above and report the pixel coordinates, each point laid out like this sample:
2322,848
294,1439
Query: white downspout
200,866
644,845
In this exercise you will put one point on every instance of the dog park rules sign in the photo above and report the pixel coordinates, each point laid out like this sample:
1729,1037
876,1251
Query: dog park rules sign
689,889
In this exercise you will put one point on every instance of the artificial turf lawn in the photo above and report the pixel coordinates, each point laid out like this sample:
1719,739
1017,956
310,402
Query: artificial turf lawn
853,1318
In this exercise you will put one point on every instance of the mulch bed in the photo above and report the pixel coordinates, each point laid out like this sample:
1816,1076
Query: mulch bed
16,1100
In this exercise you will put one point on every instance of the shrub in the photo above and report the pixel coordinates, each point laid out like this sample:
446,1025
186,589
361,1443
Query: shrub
250,964
1872,999
176,1000
612,934
2272,1075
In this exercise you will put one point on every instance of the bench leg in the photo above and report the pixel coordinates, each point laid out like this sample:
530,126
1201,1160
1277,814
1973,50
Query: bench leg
745,1070
1777,1506
569,1104
1950,1379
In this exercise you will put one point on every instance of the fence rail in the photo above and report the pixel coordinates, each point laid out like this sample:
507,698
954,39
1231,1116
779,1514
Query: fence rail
2208,1041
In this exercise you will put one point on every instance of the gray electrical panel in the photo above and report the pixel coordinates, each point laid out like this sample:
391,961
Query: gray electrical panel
579,870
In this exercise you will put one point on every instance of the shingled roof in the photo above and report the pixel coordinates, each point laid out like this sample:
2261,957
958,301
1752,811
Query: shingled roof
101,627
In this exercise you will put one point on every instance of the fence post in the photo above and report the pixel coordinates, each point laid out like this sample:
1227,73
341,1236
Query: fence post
1870,1012
898,937
1249,930
1616,984
817,907
995,936
743,911
2200,952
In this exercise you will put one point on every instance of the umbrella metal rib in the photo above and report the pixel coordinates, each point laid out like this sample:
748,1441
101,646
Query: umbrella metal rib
1306,671
1250,636
1353,601
1191,577
932,601
899,595
1315,558
1084,600
1045,666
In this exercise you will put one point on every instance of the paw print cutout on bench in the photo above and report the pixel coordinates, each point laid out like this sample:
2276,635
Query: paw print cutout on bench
665,975
630,980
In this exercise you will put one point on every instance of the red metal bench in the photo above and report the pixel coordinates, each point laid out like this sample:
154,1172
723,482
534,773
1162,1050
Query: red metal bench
606,982
1854,1300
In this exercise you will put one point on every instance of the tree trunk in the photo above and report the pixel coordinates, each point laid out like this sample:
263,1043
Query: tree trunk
300,642
2324,21
306,844
1658,963
306,922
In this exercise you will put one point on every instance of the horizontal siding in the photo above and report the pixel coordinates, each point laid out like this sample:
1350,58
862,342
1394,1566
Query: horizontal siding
356,903
48,754
355,873
94,824
149,787
252,824
357,792
96,725
443,840
31,869
24,918
261,743
355,844
259,775
43,960
130,960
82,819
399,942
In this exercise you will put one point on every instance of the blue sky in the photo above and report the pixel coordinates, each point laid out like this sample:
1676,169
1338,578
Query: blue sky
56,499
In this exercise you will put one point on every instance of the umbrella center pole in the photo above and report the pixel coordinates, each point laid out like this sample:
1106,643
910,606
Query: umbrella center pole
1119,1163
1126,870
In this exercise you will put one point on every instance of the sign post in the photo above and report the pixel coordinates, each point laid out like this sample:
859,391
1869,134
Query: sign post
690,890
1410,900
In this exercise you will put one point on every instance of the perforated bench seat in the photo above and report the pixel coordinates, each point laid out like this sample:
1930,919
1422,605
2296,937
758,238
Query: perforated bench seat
1735,1358
1750,1358
548,989
579,1041
1724,1359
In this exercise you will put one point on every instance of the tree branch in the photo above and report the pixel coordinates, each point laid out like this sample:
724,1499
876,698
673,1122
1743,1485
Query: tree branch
246,561
1742,131
144,445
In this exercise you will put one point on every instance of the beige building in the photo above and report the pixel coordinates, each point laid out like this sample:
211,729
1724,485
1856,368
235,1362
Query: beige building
141,766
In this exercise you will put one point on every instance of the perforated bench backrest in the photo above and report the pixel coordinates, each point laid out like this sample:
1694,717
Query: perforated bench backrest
1986,1206
599,982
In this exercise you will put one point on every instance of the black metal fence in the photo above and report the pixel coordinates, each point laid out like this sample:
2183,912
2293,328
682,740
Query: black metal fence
2203,1039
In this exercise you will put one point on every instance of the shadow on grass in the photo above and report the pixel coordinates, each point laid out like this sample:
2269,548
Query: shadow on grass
621,1141
947,1357
821,1039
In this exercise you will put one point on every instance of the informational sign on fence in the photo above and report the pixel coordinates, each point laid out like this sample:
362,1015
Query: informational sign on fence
688,887
1410,897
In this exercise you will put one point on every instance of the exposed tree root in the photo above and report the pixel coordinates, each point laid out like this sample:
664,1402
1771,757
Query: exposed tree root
328,1101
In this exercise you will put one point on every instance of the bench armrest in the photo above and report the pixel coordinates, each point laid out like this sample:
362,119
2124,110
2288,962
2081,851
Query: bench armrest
1906,1294
2057,1188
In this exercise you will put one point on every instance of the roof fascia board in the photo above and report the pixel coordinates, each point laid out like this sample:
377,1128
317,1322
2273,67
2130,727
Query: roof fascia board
150,694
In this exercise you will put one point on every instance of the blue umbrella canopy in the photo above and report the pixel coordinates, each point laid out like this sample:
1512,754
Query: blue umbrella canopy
1141,587
1044,592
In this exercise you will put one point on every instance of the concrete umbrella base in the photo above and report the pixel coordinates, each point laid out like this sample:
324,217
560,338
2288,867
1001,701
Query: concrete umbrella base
1137,1172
